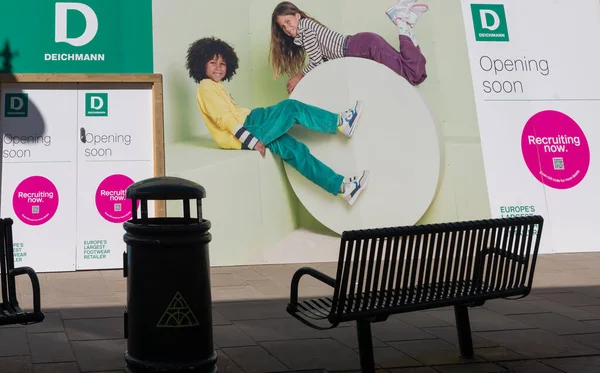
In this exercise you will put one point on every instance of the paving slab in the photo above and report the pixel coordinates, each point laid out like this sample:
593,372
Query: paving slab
538,343
13,342
308,354
589,364
530,366
254,359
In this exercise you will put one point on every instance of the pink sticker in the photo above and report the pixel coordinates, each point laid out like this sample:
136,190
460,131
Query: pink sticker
35,200
111,201
555,149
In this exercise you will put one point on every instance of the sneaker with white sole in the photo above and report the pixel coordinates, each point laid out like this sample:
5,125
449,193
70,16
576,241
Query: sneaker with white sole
415,13
401,5
354,186
407,11
349,119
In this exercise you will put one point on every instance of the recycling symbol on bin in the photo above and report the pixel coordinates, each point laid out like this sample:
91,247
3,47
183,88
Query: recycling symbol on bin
177,315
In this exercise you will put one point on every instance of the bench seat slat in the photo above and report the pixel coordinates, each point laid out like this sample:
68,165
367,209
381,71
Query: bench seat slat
316,309
321,308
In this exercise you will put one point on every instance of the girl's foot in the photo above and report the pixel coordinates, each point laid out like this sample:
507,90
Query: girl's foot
349,119
409,14
406,24
352,187
415,13
401,5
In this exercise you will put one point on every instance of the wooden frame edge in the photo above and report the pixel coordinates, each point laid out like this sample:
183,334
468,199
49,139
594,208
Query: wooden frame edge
80,78
158,122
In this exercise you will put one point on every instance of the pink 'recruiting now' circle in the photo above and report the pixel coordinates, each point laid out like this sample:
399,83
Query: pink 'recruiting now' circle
35,200
555,149
111,202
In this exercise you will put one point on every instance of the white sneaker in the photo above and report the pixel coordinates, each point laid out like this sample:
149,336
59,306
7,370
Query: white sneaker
354,187
350,119
407,12
401,5
415,13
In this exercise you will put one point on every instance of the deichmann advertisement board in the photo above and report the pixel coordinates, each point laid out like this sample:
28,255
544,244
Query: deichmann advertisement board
39,174
118,151
69,153
109,36
537,90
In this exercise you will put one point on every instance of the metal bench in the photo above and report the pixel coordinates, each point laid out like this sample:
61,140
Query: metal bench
403,269
10,311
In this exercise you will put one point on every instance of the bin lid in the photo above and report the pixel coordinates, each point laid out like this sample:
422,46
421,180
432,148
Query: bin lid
165,188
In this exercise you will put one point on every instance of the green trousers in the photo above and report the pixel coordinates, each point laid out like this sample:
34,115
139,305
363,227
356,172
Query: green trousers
271,124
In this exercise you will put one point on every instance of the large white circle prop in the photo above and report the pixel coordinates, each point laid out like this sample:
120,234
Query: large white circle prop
396,140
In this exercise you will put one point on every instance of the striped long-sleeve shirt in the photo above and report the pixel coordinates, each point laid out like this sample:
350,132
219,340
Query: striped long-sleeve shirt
245,137
320,43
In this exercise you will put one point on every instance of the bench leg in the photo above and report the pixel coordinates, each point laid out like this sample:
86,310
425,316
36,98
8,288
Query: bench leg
463,327
365,346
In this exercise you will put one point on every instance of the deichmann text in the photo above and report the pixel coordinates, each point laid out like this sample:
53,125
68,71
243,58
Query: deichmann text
554,144
491,35
23,140
506,65
73,57
93,139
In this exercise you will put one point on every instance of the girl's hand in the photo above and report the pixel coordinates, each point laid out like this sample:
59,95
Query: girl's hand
260,147
293,82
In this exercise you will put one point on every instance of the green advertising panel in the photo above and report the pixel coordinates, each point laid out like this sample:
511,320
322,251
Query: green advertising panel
88,36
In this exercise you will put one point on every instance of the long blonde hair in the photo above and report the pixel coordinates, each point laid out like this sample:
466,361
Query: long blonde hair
285,56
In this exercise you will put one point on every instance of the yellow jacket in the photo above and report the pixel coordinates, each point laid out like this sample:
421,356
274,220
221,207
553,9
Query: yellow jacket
223,117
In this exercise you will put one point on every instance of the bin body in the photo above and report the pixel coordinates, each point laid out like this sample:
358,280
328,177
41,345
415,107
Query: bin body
168,322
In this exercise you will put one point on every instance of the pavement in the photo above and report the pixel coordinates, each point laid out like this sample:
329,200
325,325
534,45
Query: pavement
555,329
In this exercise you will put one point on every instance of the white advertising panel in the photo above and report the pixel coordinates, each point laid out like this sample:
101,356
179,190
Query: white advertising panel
537,92
39,177
115,149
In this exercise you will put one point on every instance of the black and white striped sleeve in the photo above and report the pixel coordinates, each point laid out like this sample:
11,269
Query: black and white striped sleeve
320,43
313,49
245,137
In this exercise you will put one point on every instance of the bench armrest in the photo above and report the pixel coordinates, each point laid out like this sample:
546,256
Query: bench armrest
35,283
311,272
480,260
512,256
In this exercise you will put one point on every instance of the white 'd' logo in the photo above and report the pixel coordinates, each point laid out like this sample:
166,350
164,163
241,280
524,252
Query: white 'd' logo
97,103
91,24
16,103
483,16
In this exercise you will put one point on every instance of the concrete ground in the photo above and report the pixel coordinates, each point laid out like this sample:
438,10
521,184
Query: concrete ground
555,329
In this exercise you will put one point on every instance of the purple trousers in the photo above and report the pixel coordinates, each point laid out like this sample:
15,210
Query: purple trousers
409,62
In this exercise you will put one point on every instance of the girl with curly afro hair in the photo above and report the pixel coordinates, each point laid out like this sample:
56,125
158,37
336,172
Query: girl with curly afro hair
204,50
210,61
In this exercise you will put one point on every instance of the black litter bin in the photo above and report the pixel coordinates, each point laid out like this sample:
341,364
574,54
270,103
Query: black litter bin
168,322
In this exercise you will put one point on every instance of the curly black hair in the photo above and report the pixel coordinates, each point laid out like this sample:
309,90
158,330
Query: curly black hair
203,50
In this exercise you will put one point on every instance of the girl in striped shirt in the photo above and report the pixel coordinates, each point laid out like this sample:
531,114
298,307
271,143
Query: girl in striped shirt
295,34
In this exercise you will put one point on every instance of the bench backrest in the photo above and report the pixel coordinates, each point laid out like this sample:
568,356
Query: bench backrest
387,268
7,261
